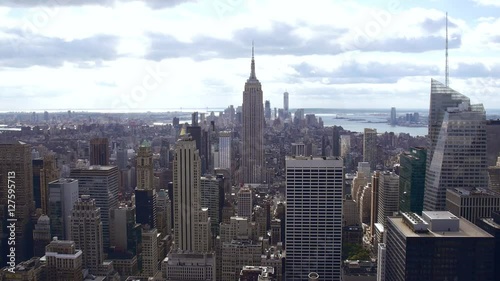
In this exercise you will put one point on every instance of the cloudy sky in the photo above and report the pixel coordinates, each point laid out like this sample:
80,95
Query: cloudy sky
153,54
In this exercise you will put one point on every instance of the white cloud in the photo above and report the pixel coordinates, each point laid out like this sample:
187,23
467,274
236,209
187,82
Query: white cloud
488,2
207,53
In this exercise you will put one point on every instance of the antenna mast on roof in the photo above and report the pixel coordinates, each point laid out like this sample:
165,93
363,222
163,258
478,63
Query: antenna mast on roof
447,74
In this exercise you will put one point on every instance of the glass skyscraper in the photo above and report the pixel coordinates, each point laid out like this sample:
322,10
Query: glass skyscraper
370,147
457,145
412,180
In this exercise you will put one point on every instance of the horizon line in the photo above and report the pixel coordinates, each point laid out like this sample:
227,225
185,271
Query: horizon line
178,109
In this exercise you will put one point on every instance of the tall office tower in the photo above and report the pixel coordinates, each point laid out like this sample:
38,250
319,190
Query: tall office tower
16,171
126,235
285,103
381,256
370,147
187,209
125,232
365,197
326,149
209,191
245,202
149,252
196,135
437,246
388,196
253,130
175,122
163,209
280,213
225,150
350,213
224,184
336,141
63,193
194,119
64,261
492,143
37,189
231,113
374,203
394,118
145,193
361,179
145,201
238,116
260,218
164,153
86,231
492,226
268,206
456,155
267,110
101,183
345,145
170,191
144,167
46,116
494,176
122,157
314,222
41,235
205,152
48,173
99,151
228,211
299,114
204,237
276,231
412,180
472,203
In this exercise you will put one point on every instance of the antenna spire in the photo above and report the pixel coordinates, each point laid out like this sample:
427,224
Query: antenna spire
447,71
252,49
252,72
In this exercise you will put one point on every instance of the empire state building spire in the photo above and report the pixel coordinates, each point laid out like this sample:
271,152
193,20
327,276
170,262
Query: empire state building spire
252,73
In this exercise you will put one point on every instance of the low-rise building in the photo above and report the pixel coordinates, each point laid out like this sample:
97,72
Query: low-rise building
188,266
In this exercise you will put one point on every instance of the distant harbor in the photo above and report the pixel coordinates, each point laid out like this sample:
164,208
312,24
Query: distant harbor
356,120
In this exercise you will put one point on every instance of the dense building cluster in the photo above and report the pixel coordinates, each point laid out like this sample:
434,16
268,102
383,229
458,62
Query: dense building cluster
251,193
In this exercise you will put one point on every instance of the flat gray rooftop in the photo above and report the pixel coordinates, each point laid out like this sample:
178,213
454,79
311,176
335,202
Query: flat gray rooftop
467,229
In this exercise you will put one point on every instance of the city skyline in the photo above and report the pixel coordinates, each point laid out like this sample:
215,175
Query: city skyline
322,54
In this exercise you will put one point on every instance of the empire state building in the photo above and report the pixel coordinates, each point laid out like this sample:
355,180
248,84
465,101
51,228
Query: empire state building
252,165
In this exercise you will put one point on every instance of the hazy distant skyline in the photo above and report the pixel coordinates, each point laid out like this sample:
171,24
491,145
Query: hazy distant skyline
140,55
